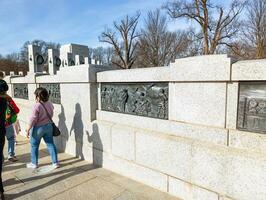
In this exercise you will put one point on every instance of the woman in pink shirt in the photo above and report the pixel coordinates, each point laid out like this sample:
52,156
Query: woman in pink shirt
40,127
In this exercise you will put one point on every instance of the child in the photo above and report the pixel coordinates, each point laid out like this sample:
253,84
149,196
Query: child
40,126
17,130
11,117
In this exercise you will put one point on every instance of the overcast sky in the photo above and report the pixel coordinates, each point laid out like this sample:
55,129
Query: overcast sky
65,21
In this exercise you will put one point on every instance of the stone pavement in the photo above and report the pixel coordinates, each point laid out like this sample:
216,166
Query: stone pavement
75,180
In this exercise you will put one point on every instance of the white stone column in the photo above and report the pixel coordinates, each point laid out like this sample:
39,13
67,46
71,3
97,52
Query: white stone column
77,60
53,54
33,52
86,61
93,61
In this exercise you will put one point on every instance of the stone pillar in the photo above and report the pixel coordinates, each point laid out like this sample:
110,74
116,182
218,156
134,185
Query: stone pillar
81,60
12,73
34,53
93,61
69,61
86,61
54,61
77,59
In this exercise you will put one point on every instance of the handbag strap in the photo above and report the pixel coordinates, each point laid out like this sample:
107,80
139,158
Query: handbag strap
47,113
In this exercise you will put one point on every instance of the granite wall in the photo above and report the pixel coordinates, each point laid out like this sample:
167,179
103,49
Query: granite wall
196,153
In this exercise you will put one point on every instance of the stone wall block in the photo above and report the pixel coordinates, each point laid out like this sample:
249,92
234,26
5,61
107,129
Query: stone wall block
166,154
198,103
123,142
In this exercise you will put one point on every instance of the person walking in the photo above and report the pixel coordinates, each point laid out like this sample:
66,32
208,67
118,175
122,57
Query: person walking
3,107
17,130
40,127
11,118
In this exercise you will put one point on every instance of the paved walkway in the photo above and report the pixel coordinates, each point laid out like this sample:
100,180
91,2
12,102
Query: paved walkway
74,180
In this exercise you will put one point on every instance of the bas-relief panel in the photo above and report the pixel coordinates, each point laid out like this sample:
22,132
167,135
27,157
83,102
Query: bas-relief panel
20,90
252,107
144,99
54,91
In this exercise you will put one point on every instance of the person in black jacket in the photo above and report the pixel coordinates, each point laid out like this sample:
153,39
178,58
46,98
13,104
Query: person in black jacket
3,107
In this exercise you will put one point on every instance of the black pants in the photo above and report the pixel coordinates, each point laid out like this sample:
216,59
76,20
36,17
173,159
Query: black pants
2,144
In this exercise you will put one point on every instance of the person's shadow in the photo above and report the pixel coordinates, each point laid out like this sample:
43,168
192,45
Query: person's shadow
78,128
63,128
97,146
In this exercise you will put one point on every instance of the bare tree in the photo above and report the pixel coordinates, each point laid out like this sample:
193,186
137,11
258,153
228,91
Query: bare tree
104,55
9,63
195,47
125,45
217,25
255,29
158,46
13,57
44,48
98,54
251,43
109,53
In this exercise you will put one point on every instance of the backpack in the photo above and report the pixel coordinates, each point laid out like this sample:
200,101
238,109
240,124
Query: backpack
11,115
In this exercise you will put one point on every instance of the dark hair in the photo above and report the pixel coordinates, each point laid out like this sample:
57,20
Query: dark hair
42,93
3,87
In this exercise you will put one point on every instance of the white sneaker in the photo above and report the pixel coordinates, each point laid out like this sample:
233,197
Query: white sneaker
12,158
55,165
32,166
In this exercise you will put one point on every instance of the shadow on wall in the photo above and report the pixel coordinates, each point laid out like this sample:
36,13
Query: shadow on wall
97,145
64,130
78,128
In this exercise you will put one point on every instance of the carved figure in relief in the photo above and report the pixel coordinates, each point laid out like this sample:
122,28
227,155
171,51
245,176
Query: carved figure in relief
252,106
162,103
255,123
104,96
262,106
15,91
123,97
132,105
113,97
110,98
143,105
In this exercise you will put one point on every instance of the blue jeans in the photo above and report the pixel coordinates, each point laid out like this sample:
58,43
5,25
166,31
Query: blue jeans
10,136
36,134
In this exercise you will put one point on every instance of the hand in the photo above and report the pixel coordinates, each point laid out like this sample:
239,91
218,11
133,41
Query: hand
28,133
